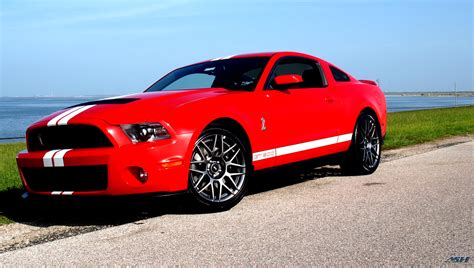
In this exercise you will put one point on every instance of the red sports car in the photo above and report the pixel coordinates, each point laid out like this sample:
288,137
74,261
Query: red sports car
206,127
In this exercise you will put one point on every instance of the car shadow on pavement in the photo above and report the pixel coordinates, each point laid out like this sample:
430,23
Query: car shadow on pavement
290,175
109,211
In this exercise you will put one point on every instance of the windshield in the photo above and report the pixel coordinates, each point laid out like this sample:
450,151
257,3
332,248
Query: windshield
232,74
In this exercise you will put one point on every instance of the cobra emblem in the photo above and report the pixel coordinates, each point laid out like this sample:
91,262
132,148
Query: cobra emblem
263,124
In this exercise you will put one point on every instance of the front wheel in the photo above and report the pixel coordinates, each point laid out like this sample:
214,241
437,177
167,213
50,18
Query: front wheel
363,156
219,169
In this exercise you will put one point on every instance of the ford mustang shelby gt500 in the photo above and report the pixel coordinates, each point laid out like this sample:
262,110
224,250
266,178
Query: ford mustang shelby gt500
206,127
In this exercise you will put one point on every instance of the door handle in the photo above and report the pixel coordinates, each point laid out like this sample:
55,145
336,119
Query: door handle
329,99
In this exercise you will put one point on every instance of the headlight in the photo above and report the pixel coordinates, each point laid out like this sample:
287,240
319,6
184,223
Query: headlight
145,132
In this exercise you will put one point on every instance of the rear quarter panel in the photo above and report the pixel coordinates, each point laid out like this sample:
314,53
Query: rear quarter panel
354,97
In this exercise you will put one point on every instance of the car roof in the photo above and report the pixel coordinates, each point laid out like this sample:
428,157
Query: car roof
265,54
260,54
252,55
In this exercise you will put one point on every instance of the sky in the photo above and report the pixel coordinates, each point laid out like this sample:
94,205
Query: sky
91,47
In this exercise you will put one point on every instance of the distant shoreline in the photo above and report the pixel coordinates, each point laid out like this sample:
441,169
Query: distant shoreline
20,138
433,94
388,93
57,97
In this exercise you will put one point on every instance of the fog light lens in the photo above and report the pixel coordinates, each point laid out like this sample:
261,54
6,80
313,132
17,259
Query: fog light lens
142,175
139,173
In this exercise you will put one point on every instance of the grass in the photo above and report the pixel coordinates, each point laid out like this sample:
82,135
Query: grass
415,127
10,182
9,178
404,128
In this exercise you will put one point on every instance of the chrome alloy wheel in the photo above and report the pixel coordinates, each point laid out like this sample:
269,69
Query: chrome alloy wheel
218,167
369,143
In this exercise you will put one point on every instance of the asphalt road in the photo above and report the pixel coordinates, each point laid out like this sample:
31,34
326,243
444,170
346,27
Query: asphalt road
414,210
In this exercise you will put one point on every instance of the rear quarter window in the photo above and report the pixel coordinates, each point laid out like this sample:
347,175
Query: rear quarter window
339,75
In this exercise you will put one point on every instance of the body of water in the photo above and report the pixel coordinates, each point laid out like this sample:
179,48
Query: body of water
409,103
16,114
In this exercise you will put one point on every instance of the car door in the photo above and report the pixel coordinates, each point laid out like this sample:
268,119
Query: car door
301,118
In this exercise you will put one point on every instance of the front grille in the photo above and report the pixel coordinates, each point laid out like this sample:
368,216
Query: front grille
83,178
66,137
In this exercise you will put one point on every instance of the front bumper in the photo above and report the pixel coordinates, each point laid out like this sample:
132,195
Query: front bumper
108,171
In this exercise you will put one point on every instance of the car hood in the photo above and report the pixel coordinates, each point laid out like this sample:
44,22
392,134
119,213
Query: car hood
142,107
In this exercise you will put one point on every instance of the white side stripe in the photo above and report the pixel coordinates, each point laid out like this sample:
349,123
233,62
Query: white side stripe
67,193
343,138
55,119
56,193
301,147
68,117
305,146
47,158
58,158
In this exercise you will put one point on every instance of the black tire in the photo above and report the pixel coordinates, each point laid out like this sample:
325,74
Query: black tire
364,154
219,170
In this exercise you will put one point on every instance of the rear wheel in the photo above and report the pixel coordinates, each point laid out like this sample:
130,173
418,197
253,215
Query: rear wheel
219,169
363,156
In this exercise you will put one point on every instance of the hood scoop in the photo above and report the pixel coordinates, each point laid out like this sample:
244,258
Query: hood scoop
107,101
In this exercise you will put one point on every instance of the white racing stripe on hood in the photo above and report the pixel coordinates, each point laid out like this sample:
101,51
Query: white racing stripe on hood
68,117
55,119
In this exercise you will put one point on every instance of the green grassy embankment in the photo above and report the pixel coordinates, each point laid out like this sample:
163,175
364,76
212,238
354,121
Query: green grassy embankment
404,128
415,127
10,183
9,178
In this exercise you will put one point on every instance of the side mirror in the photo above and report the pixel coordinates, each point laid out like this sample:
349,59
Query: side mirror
287,80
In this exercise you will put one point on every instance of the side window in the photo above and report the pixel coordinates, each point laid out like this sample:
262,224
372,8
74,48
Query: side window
339,75
308,69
